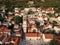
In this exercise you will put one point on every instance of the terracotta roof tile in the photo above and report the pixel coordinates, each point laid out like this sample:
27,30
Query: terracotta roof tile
17,32
10,16
57,37
29,28
7,31
10,38
2,37
58,26
44,16
32,34
48,36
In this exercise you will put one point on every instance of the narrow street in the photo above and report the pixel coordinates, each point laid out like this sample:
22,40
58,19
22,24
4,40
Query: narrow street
32,42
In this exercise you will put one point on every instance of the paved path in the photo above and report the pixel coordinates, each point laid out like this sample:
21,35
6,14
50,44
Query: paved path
32,42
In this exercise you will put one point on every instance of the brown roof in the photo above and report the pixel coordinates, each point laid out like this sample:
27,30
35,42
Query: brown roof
48,36
32,18
13,38
10,38
16,26
29,28
5,23
32,34
49,9
2,37
58,26
44,16
18,32
10,16
7,31
1,30
57,37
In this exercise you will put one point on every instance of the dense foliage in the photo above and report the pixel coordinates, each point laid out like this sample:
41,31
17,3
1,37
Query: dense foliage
54,42
1,18
37,3
18,19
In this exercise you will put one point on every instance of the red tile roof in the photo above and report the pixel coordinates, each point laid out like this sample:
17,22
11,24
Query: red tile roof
32,34
2,37
17,32
13,38
10,16
16,26
44,16
29,28
58,26
48,36
57,37
7,31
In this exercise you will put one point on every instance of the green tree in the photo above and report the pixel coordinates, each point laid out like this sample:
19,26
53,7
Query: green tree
1,18
55,23
57,10
50,15
18,19
9,6
54,42
30,12
53,32
46,21
37,24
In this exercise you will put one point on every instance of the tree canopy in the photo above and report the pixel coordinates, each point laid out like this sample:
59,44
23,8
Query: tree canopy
1,18
17,19
37,23
37,3
54,42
